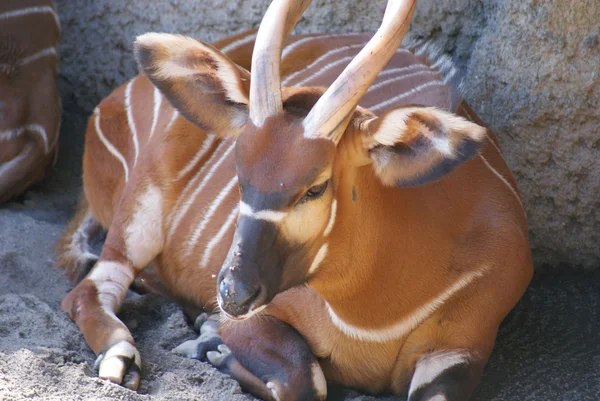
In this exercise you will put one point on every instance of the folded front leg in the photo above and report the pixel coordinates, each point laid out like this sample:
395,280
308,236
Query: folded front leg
134,239
270,359
92,306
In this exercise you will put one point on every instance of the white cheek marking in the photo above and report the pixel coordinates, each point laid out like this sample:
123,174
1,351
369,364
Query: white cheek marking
403,95
37,128
319,257
219,237
208,142
157,104
410,322
32,10
130,121
319,381
429,367
191,243
183,206
268,215
331,218
109,146
144,236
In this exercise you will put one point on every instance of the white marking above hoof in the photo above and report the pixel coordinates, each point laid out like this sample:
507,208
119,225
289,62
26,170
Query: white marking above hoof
319,381
113,367
273,387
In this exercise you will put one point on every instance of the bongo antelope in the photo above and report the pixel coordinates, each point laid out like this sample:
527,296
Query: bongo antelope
368,235
29,101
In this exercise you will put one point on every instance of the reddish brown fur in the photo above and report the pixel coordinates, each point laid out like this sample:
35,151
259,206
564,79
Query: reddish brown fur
421,239
28,95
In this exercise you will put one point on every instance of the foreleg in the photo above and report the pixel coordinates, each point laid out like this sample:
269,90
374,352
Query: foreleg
266,356
134,239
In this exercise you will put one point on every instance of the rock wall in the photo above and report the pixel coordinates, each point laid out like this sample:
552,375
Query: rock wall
531,70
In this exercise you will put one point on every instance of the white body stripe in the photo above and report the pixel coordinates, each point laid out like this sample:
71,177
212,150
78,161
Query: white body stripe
156,114
323,70
208,142
32,10
131,122
398,78
109,146
411,92
408,68
191,243
37,128
292,46
268,215
321,59
49,51
410,322
488,165
331,218
183,209
497,174
238,43
4,167
219,236
430,366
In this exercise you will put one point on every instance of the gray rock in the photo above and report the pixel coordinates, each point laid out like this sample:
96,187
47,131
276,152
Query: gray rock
531,70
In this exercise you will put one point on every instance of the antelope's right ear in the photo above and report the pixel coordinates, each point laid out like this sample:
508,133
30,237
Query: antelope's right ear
203,84
412,146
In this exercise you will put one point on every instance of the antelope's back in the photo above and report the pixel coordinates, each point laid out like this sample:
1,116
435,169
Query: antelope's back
416,74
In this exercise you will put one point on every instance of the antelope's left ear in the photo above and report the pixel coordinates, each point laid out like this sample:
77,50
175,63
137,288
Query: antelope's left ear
411,146
202,83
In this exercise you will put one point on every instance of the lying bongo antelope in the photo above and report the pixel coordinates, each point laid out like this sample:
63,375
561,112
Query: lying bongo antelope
368,246
29,100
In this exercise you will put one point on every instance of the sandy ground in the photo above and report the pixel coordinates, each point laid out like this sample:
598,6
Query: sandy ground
548,348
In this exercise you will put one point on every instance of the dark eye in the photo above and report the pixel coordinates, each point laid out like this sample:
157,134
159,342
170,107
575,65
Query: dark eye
315,192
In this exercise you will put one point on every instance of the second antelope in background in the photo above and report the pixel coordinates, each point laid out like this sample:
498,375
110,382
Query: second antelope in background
29,100
374,246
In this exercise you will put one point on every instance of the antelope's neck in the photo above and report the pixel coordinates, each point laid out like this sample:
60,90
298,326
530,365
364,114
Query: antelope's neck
389,266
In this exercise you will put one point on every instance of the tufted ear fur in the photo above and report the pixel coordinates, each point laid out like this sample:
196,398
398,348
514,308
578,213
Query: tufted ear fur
203,84
411,146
